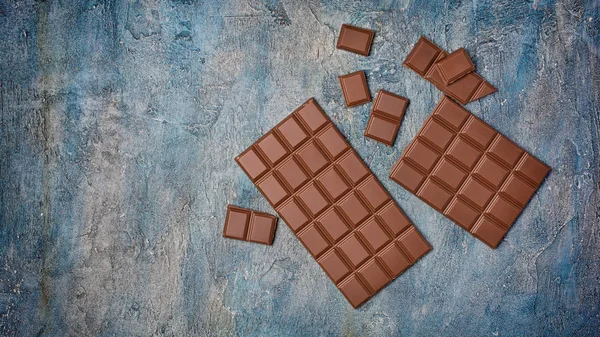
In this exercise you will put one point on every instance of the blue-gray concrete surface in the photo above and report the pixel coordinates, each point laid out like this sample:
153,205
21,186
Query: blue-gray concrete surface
120,121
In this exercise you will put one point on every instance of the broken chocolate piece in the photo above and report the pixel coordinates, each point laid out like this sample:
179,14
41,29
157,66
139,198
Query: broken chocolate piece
355,39
424,59
386,117
247,225
355,88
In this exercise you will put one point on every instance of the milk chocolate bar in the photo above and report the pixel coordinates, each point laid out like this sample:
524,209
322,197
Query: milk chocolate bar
469,172
333,203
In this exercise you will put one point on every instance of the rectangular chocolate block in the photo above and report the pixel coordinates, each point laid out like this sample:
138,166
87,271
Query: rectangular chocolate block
424,59
355,88
469,172
386,117
248,225
355,39
455,66
333,203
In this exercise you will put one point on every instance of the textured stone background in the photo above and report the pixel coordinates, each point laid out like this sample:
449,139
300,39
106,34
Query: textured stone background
120,121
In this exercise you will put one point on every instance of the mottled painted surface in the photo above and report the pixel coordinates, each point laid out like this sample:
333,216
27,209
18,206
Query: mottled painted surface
120,121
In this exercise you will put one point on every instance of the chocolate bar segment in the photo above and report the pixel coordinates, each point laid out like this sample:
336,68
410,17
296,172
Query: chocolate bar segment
248,225
333,203
425,59
455,66
469,172
355,39
386,117
355,88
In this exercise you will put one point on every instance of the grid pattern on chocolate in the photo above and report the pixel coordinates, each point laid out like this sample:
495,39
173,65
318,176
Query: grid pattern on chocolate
248,225
424,59
386,117
333,203
468,171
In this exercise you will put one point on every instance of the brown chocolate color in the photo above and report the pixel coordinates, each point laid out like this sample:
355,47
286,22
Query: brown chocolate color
424,60
469,172
455,66
355,88
248,225
333,203
355,39
386,117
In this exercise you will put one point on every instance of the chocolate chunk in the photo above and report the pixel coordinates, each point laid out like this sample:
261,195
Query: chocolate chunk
386,117
469,172
455,66
355,88
247,225
355,39
425,59
333,203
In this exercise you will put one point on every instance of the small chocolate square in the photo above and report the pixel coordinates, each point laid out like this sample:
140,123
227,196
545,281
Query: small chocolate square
455,66
355,39
355,88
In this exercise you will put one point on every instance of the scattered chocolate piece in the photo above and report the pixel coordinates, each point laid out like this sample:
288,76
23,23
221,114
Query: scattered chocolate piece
355,39
247,225
355,88
424,60
333,203
466,170
386,117
455,66
422,56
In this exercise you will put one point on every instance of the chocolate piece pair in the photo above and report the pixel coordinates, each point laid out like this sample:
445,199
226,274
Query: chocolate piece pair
469,172
425,60
333,203
386,117
355,39
355,88
248,225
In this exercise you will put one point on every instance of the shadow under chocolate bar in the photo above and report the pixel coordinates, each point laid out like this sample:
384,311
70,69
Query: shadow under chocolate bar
469,172
333,203
423,60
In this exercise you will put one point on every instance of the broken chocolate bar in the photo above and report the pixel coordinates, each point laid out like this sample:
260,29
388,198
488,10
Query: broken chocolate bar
425,60
469,172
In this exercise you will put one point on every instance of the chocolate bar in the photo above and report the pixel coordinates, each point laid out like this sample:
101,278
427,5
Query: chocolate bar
248,225
386,117
469,172
333,203
424,59
355,88
355,39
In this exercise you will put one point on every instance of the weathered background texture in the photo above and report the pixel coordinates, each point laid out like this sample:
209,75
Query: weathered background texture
120,121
